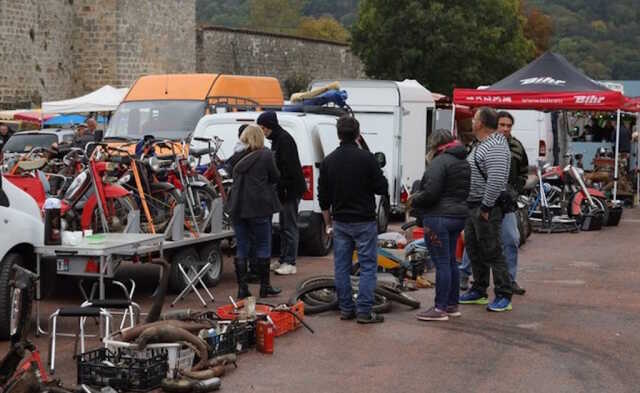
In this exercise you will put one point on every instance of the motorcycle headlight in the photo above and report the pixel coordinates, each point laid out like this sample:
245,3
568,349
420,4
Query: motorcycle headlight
193,163
125,179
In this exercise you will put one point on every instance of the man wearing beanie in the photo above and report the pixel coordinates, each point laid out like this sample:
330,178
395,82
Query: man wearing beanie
290,190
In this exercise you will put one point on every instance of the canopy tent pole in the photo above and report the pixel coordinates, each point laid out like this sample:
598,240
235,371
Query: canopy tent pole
615,169
637,198
454,132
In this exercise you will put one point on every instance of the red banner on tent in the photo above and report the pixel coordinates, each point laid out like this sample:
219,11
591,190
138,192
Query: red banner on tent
509,99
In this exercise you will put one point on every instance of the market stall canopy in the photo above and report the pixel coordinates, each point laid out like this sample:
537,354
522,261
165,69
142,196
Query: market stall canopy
34,116
548,83
632,104
73,119
105,99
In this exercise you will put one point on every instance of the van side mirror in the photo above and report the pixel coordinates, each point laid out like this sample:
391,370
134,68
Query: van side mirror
381,158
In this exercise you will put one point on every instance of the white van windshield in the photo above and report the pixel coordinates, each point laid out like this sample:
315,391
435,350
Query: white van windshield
163,119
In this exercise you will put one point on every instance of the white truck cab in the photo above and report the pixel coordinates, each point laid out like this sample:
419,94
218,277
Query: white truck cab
315,135
21,229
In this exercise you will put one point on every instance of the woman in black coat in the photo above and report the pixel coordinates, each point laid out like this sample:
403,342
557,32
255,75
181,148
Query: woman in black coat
252,204
441,204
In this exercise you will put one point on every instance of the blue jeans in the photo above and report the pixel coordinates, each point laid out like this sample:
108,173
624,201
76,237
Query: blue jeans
347,237
253,234
465,266
441,235
511,242
289,233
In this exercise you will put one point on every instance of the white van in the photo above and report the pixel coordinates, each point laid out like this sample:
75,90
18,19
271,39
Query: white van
21,230
316,137
395,118
534,130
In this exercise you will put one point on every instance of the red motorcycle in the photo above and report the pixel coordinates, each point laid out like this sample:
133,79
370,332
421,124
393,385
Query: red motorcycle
568,193
89,202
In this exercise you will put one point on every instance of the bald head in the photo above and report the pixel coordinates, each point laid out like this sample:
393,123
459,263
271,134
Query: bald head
92,124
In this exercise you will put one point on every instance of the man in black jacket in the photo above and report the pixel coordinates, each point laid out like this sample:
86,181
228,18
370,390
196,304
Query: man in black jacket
349,180
290,190
5,134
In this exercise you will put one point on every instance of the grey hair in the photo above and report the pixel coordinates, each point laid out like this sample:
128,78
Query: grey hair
438,138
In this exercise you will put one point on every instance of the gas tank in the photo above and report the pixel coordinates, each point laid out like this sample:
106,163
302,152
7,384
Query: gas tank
77,186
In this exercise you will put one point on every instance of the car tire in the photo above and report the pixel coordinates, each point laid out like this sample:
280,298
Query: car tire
316,241
6,275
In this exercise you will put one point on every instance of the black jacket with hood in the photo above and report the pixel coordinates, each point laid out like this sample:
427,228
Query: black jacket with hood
292,184
445,185
254,179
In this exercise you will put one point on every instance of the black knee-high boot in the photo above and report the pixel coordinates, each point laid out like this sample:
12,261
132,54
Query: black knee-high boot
265,279
241,277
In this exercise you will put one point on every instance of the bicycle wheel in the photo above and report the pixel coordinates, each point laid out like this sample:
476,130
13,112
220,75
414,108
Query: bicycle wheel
397,296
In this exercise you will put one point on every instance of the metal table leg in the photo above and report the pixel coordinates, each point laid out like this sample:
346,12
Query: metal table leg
39,329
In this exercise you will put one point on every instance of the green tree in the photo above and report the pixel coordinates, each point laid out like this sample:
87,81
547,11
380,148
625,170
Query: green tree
324,27
278,16
441,43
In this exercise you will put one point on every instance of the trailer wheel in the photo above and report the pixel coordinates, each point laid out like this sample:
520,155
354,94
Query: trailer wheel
187,256
316,242
6,297
211,253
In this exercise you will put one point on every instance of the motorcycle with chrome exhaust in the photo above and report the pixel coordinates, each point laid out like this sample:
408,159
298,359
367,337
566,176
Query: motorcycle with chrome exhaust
562,192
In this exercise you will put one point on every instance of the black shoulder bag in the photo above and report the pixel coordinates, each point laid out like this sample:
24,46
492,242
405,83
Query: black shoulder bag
505,200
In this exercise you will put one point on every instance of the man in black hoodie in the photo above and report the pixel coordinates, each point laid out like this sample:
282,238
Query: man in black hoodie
290,190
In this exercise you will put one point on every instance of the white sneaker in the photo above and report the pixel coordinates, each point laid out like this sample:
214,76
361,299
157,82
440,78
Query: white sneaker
274,265
286,269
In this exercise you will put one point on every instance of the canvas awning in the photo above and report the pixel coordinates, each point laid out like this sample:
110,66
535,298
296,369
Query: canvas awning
548,83
105,99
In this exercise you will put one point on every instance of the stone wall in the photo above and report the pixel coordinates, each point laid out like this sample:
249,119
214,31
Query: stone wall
294,61
164,43
56,49
34,43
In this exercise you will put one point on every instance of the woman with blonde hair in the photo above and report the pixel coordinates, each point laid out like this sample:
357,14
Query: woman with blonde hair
252,204
441,206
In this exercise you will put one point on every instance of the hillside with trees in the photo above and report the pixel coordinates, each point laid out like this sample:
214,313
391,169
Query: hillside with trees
601,37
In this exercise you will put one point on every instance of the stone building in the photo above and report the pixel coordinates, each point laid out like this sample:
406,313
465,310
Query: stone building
57,49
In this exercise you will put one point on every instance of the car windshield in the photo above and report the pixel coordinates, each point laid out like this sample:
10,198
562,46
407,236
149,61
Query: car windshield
25,142
162,119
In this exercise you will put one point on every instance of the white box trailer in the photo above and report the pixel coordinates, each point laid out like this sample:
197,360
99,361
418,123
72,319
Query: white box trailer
395,118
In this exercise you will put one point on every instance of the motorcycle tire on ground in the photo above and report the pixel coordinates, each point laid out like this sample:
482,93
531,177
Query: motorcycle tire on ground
381,304
315,309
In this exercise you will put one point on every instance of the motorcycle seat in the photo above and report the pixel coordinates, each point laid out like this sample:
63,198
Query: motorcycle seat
199,152
30,165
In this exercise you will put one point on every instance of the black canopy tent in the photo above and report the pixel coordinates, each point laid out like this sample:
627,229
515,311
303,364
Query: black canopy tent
548,83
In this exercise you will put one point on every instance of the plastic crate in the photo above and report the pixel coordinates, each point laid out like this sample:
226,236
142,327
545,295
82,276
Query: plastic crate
245,336
120,371
179,356
284,321
222,344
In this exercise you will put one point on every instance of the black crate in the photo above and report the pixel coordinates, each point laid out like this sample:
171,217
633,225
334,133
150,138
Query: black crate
222,344
592,222
103,367
245,336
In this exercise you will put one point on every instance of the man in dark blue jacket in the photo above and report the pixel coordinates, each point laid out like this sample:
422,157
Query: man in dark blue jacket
290,190
350,178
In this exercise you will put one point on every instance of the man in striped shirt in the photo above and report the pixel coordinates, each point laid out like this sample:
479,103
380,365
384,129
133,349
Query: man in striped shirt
490,161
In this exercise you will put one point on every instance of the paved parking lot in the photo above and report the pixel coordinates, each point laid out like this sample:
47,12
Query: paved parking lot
576,330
